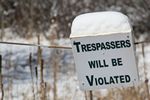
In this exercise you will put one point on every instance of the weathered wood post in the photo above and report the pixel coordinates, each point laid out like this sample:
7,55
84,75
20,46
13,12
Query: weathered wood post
1,80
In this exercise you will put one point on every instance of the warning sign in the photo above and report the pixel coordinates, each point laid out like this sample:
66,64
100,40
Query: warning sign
105,61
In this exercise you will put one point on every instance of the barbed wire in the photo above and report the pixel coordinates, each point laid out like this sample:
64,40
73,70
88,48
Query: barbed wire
55,46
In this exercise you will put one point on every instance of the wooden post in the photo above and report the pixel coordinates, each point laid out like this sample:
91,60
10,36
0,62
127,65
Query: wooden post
31,72
145,69
2,27
85,94
91,95
55,64
36,75
55,79
43,96
1,79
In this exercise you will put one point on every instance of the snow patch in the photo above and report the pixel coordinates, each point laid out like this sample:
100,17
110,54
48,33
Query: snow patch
100,23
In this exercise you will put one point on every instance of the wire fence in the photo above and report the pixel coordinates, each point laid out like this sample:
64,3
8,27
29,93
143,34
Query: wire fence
43,85
36,45
56,46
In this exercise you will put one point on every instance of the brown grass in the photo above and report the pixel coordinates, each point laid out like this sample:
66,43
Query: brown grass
43,88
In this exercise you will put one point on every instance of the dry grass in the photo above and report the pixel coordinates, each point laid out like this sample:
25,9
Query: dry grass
44,90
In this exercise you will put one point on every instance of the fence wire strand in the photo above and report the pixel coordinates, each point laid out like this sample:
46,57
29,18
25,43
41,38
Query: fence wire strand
141,42
55,46
37,45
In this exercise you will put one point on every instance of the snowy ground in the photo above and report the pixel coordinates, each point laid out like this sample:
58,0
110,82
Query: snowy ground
16,71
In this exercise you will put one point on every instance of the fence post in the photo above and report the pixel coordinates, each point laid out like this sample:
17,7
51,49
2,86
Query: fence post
145,73
31,72
55,74
1,79
91,95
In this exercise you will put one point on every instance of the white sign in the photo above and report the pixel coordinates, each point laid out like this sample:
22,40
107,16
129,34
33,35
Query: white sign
103,50
105,61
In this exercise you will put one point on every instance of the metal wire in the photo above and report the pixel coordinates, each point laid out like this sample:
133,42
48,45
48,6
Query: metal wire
141,42
55,46
37,45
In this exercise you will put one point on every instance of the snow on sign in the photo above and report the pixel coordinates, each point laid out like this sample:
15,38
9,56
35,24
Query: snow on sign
103,50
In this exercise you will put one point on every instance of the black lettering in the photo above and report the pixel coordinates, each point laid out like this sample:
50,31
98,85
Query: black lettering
103,46
97,63
96,81
122,79
119,61
90,80
112,44
100,81
127,78
100,65
105,63
112,80
91,64
106,81
84,49
114,62
77,45
89,47
116,78
107,45
98,46
128,44
93,47
123,44
117,44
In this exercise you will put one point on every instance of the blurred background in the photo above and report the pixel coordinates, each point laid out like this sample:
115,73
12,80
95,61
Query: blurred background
29,17
43,73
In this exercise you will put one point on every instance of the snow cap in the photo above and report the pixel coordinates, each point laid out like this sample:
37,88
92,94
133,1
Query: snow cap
100,23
